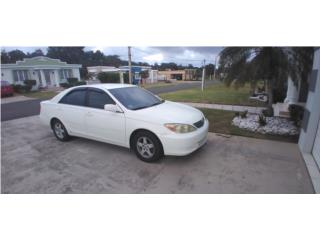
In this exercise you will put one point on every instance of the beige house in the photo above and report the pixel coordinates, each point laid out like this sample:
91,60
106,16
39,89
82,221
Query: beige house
186,74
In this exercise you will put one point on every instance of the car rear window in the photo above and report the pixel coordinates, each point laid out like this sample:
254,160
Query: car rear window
75,97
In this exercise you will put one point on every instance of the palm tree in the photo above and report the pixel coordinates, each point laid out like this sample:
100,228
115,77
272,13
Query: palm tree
271,64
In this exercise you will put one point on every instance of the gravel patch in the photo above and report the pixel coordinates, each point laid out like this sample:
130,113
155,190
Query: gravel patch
275,125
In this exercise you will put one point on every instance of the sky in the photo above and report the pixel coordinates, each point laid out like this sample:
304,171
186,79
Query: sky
179,55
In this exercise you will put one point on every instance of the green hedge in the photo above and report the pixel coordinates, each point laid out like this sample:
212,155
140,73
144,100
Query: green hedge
73,81
28,84
109,77
19,88
68,85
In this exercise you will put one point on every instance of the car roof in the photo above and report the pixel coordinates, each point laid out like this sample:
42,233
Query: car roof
107,86
103,86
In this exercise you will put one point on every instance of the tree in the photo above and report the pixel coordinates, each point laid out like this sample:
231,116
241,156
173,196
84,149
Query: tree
12,56
209,70
73,55
272,64
4,57
36,53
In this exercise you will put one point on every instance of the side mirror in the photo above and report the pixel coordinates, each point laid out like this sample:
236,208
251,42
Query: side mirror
112,108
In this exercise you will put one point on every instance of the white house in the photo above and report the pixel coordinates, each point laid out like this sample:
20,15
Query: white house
46,71
309,141
136,70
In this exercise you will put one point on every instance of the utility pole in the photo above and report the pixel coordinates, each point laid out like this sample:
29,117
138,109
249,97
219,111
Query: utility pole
203,74
215,67
129,63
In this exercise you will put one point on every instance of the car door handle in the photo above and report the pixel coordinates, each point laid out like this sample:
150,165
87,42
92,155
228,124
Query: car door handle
89,114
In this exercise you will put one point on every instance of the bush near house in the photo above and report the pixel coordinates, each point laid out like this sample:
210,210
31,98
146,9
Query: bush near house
109,77
268,112
72,81
25,87
28,84
296,114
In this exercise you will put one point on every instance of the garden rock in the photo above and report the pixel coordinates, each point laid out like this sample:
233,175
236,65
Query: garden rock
274,125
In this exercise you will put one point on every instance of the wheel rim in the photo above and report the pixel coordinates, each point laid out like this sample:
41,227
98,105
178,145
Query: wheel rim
59,130
145,147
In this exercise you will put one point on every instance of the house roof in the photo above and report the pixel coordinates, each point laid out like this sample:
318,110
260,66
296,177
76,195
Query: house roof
40,62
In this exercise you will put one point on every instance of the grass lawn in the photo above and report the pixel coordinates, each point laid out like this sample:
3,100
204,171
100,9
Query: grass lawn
41,94
220,122
217,93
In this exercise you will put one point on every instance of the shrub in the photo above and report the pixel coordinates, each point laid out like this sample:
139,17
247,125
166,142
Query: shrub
144,74
268,112
279,95
72,81
244,114
109,77
262,120
28,84
19,88
126,77
296,114
80,83
65,85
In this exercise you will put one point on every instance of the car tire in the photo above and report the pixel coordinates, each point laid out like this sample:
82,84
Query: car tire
60,131
147,146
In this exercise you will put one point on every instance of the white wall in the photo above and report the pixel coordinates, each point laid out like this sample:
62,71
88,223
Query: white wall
76,73
307,137
7,75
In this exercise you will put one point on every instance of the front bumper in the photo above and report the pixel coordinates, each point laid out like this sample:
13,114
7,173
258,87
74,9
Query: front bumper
186,143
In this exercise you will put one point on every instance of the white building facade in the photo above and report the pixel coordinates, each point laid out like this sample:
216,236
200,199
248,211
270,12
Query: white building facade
46,71
309,141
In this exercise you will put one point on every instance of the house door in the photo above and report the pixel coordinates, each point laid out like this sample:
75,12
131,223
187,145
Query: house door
316,146
47,76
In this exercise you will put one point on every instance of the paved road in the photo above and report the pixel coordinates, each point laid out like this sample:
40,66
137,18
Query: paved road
22,109
33,161
15,110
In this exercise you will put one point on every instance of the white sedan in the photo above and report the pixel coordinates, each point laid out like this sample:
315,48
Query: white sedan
128,116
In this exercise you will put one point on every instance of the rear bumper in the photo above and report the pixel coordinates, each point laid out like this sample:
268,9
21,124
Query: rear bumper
184,144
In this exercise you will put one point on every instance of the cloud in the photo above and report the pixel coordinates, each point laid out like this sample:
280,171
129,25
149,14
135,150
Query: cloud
154,58
181,55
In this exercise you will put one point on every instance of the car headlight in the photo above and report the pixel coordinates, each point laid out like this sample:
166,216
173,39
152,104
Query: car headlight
180,128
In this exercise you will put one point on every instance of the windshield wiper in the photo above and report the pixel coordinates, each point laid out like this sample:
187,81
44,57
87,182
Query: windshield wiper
137,108
157,103
154,104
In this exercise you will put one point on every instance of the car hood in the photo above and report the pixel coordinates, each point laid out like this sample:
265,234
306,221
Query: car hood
168,112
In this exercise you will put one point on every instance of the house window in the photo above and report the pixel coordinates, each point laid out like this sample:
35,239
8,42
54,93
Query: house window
21,75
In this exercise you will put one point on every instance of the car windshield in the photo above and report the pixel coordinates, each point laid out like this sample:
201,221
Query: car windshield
135,98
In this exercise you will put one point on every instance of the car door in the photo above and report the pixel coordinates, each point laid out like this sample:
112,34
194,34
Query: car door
71,111
101,124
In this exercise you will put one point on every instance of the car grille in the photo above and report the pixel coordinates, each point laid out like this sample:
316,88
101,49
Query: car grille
199,124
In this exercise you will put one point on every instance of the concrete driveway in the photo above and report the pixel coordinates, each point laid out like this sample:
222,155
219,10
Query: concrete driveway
33,161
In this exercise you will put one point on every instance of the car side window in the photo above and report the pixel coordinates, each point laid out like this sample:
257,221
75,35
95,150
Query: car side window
75,97
98,98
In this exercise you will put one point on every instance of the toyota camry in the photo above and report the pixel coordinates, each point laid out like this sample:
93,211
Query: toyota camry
128,116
